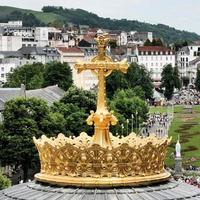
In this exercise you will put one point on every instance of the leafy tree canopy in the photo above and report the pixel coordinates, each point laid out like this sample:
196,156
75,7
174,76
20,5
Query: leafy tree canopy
136,76
58,73
83,99
170,80
23,119
37,75
4,181
79,16
126,104
155,42
28,19
197,81
30,75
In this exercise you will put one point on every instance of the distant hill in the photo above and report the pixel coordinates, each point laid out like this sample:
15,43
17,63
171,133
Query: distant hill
59,15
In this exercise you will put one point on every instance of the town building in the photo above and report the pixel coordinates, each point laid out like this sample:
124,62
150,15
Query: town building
85,80
30,36
187,60
88,41
9,60
10,43
40,54
134,37
154,59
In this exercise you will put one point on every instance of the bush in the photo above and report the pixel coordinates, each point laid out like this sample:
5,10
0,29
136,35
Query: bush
4,181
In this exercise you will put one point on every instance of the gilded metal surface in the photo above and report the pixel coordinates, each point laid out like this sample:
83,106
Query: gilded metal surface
102,66
131,157
103,182
102,160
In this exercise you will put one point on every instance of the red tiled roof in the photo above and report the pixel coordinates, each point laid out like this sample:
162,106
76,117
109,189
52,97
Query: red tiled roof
89,38
154,48
70,50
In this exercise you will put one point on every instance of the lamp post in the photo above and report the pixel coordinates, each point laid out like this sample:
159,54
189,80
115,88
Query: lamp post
136,113
122,126
139,124
127,122
132,123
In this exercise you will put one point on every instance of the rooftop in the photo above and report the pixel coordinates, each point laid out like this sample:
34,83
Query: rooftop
70,50
154,48
165,191
49,94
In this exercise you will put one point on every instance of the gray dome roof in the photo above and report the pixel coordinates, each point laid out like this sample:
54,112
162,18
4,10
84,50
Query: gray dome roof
165,191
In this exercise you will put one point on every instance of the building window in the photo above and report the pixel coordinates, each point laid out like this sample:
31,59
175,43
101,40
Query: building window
2,75
2,69
166,57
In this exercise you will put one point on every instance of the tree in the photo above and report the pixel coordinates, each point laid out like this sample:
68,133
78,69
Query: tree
115,81
4,181
113,44
29,19
176,78
136,76
54,124
147,43
167,81
58,73
75,106
125,104
178,45
83,99
185,81
197,81
157,42
30,75
74,118
23,119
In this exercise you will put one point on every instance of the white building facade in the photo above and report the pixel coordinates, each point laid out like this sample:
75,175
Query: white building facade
154,59
10,43
187,58
85,80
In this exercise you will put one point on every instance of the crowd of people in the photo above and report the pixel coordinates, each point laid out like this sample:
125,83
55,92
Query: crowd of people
158,124
187,96
195,181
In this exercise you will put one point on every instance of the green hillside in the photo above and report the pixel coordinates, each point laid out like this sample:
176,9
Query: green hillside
45,18
60,15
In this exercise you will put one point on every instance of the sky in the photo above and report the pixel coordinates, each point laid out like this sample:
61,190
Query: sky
181,14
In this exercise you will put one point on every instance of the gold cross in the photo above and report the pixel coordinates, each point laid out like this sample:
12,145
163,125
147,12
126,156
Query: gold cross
102,66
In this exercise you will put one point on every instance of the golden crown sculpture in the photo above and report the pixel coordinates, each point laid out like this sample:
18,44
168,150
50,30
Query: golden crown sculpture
102,160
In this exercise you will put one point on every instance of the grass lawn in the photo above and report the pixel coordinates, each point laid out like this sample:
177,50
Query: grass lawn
187,125
165,109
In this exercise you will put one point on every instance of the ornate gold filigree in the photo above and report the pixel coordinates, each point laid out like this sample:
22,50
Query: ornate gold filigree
77,157
102,160
102,66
